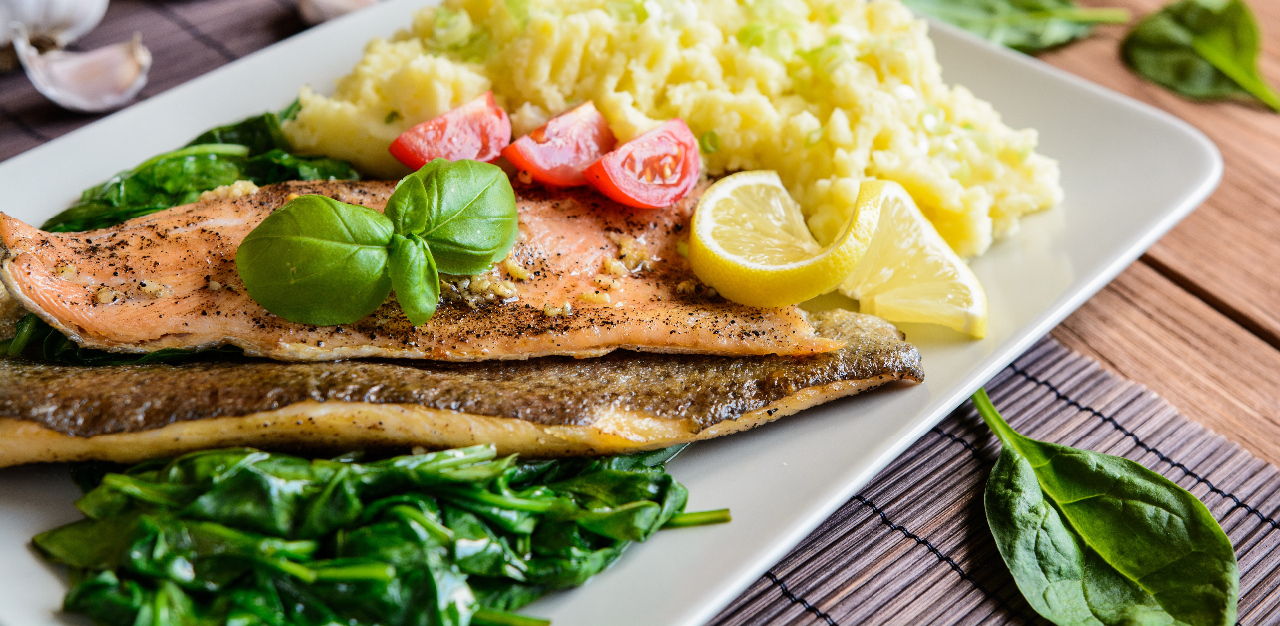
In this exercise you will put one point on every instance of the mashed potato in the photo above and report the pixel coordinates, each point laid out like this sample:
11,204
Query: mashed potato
826,92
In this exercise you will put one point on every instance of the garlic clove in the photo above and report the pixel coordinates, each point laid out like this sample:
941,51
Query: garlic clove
94,81
316,11
62,21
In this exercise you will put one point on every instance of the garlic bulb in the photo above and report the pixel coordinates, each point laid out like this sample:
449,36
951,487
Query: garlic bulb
315,11
99,80
62,21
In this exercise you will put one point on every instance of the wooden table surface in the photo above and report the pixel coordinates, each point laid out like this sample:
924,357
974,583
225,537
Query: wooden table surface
1197,319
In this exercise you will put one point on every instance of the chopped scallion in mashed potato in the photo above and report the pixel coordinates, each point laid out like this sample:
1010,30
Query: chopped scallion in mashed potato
826,92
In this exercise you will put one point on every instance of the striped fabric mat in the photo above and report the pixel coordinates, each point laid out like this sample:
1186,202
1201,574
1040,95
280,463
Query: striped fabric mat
914,548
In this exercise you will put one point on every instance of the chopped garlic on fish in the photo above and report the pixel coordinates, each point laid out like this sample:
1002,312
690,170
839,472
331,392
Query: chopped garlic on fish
238,189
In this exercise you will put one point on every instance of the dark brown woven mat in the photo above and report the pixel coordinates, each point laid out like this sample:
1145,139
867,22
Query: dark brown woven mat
913,547
186,37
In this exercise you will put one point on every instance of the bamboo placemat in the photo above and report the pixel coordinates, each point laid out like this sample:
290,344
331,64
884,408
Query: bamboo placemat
911,548
914,547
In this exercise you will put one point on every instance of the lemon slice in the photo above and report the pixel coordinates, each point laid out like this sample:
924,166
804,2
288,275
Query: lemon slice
750,242
909,273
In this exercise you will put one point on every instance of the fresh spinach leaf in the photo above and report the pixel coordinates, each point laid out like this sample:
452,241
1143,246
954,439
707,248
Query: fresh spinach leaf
1201,49
239,536
1097,539
318,261
1026,25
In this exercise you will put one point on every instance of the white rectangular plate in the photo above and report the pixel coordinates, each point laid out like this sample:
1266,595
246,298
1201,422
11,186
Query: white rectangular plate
1130,171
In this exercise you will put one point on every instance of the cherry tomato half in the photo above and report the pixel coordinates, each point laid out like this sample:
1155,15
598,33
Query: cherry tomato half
557,153
477,130
653,170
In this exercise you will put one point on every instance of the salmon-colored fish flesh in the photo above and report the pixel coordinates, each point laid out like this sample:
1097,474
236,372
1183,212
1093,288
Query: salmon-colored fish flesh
169,280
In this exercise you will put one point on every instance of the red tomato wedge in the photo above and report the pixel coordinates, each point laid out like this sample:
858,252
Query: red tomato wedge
558,152
653,170
477,130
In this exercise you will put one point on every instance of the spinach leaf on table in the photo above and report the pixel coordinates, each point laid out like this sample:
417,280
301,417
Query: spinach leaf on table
254,149
1026,25
1096,539
240,536
1201,49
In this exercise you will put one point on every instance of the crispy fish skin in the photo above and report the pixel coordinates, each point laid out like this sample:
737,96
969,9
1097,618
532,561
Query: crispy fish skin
623,402
168,280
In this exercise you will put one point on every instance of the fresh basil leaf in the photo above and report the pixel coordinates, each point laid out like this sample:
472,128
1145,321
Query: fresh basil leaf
318,261
1201,49
414,278
1026,25
1096,539
471,216
260,133
407,206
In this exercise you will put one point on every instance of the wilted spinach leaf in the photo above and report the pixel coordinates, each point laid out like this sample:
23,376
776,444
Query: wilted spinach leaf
1025,25
36,339
244,537
254,149
1097,539
1201,49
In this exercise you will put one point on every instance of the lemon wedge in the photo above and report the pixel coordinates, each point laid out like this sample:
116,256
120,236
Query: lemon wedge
750,242
909,273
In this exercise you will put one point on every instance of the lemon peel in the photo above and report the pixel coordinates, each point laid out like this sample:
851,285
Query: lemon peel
909,273
751,244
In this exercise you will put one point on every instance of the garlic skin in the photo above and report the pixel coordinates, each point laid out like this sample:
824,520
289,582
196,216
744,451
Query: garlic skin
316,11
62,21
98,80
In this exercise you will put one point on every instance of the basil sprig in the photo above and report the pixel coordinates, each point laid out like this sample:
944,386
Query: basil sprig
1025,25
1201,49
1096,539
320,261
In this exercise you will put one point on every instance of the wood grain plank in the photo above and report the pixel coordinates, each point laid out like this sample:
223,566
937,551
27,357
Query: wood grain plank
1150,330
1227,250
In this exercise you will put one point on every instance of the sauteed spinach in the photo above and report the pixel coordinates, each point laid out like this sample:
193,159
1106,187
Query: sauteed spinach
253,149
1096,539
35,339
240,536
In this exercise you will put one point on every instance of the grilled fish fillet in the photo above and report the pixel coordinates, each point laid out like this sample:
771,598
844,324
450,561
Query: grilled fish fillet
619,403
168,280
